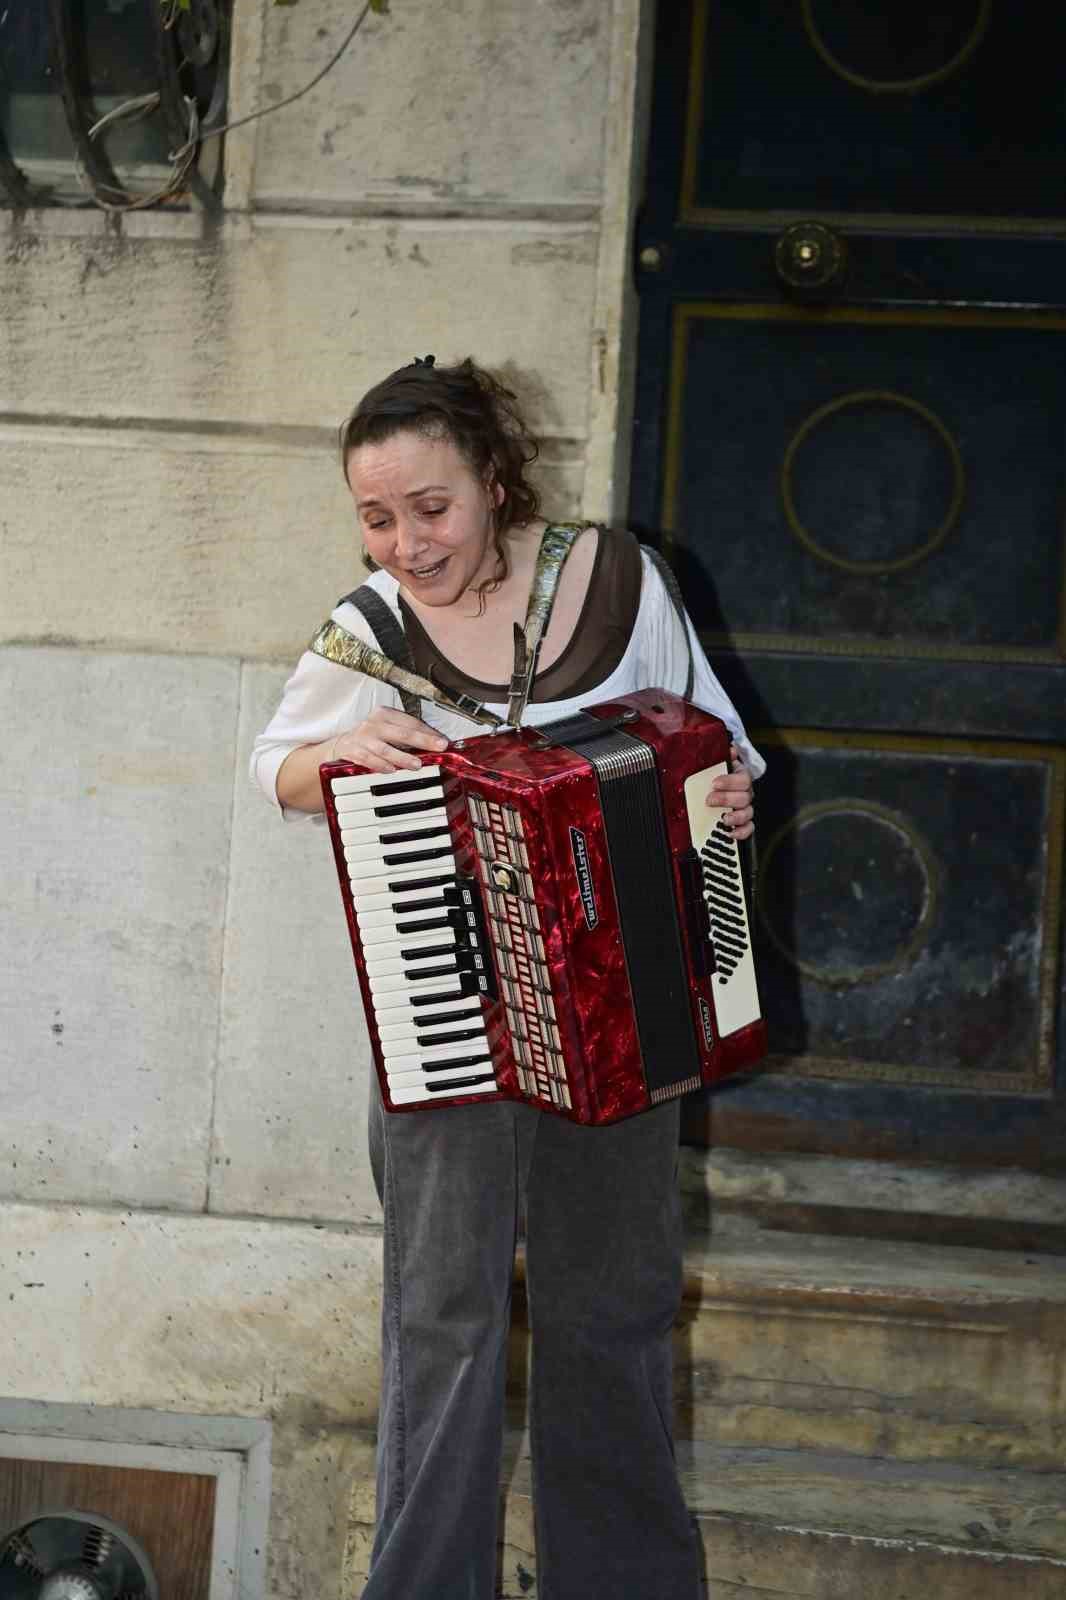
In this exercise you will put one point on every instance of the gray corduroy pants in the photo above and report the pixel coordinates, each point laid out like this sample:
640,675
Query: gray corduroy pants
603,1266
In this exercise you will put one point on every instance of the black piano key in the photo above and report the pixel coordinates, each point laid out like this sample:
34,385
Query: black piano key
427,951
411,808
412,857
426,1041
448,902
412,885
464,958
434,1019
409,785
448,969
450,919
456,1063
457,1085
468,984
411,836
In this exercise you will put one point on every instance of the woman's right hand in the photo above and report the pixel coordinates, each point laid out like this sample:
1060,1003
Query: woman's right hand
383,743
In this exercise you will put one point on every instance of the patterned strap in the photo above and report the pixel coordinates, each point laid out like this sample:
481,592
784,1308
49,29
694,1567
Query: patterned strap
670,584
557,541
336,644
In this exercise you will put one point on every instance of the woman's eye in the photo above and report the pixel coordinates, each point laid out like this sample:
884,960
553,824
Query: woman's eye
433,511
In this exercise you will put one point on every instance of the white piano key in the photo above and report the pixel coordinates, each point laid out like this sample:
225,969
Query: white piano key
390,1012
414,964
361,822
391,904
382,780
404,915
412,1080
442,940
351,805
395,984
422,1060
430,1068
387,918
386,831
397,1033
372,853
411,977
411,1096
434,860
380,881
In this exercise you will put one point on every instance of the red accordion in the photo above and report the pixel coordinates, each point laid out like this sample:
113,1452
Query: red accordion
552,915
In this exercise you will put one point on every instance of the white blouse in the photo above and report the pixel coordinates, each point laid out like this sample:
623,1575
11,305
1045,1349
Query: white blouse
322,699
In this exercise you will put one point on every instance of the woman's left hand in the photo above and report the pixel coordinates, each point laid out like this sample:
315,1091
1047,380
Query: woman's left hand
734,791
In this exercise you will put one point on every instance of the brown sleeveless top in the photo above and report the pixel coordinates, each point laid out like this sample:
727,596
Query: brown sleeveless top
593,650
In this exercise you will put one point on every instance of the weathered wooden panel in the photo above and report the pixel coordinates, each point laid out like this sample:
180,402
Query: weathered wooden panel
170,1514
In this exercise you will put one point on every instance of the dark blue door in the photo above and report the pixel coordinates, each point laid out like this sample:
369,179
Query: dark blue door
850,441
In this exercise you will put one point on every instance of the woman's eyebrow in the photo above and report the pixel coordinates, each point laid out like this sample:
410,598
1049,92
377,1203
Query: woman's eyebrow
412,494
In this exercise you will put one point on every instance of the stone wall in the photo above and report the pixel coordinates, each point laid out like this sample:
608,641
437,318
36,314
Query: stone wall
184,1195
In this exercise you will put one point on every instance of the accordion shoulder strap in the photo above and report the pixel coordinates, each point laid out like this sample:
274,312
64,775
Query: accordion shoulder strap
670,584
557,541
390,636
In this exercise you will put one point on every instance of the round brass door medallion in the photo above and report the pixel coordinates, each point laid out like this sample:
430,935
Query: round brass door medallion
859,399
912,85
847,892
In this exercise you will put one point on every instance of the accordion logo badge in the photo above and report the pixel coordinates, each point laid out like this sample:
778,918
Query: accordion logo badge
584,876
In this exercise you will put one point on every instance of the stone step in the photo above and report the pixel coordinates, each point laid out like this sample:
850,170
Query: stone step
999,1208
871,1348
803,1524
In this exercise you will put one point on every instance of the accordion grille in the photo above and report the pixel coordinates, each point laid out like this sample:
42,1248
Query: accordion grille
518,944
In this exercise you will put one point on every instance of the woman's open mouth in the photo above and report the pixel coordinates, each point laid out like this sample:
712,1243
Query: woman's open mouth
427,574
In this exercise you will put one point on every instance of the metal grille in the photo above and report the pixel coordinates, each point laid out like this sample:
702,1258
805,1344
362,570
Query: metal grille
518,944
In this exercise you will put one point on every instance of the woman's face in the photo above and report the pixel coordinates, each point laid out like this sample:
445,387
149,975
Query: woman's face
424,514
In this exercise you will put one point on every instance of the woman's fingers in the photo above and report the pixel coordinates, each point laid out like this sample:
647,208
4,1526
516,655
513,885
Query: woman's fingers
384,742
734,792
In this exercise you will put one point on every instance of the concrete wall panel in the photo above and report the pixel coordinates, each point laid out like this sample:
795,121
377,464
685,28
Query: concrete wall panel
284,322
294,1061
145,540
199,1314
214,1315
477,102
157,543
114,826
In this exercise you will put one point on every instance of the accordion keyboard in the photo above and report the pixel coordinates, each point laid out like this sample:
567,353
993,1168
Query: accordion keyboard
419,923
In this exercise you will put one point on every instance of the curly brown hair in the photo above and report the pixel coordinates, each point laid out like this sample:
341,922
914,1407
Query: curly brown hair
466,405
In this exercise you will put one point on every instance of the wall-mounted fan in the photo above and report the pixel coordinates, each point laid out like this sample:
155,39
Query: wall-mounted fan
74,1555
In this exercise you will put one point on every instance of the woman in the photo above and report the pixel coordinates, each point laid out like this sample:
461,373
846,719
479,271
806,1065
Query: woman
435,459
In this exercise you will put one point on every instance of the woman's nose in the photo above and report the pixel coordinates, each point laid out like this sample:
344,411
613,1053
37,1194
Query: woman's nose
409,541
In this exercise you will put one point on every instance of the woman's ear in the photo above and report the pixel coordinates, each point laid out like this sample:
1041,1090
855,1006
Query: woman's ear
497,492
